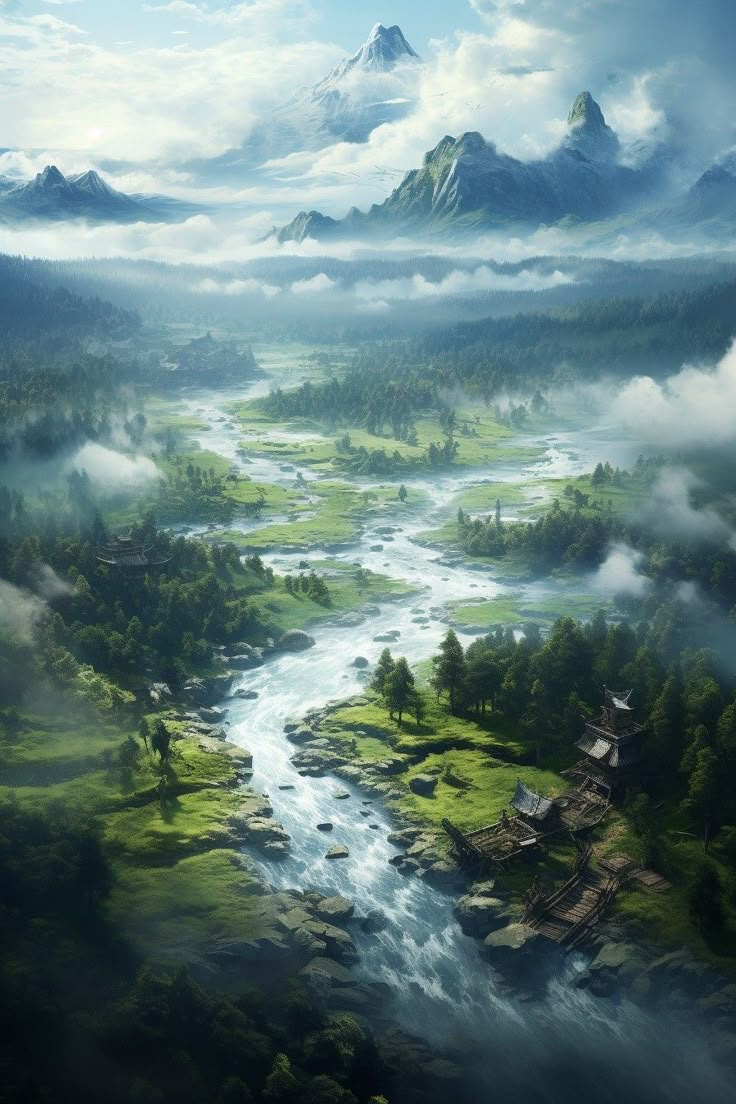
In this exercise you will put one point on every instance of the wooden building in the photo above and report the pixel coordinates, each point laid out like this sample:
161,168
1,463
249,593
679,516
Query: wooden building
129,557
611,743
535,819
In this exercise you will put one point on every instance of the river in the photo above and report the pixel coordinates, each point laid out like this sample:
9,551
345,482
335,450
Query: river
567,1042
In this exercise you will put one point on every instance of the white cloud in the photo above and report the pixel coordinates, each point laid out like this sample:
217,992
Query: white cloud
313,286
20,612
620,572
671,511
460,282
110,470
696,407
209,286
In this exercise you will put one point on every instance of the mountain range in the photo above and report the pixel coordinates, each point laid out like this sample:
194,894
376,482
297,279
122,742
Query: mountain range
467,183
51,195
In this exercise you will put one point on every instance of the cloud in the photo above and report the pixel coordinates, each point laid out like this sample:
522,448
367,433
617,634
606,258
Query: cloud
694,408
620,573
21,612
209,286
255,13
671,510
460,282
110,470
198,96
49,585
314,285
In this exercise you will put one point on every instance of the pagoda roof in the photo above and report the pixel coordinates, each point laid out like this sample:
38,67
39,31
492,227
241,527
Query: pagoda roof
529,803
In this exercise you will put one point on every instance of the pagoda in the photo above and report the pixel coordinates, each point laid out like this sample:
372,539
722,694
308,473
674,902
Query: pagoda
129,557
612,743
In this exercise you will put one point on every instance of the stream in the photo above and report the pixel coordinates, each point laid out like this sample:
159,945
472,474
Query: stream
565,1043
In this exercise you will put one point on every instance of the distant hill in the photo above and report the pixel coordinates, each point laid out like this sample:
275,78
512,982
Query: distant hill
53,196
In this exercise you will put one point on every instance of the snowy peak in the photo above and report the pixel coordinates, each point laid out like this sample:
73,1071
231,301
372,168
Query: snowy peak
384,48
589,134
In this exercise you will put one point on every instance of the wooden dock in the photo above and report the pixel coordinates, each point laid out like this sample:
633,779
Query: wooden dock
567,915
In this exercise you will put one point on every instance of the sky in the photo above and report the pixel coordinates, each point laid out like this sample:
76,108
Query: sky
152,92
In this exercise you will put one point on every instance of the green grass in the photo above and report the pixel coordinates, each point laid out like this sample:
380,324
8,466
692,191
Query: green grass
347,592
514,609
490,444
335,519
198,905
178,886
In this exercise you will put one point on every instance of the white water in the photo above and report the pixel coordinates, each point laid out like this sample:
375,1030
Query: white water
442,986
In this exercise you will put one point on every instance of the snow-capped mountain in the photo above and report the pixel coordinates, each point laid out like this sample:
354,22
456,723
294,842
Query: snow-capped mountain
376,85
51,195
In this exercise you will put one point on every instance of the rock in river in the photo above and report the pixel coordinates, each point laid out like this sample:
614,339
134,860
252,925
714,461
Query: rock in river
339,851
336,910
295,640
325,826
361,662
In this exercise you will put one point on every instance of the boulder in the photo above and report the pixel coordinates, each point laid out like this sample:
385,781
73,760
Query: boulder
387,637
479,914
212,713
615,966
295,640
207,691
325,826
423,784
336,910
361,662
158,692
246,695
521,954
338,942
374,921
339,851
392,766
301,735
443,873
245,662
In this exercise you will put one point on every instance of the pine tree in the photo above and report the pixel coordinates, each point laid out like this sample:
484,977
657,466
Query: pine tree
383,671
449,669
399,690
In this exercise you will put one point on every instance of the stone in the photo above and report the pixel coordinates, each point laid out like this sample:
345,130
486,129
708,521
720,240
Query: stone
392,766
361,662
339,943
339,851
158,691
325,973
479,915
325,826
246,695
245,661
341,795
295,640
207,691
336,910
301,735
443,873
374,921
423,784
522,955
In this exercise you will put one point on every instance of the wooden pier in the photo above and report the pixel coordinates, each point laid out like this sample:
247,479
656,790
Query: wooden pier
567,915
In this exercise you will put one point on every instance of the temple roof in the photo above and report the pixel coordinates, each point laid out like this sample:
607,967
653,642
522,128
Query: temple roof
528,803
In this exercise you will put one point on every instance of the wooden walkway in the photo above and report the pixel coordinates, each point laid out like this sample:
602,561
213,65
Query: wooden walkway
567,915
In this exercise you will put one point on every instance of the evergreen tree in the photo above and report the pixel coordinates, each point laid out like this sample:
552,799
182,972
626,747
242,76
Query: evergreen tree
383,672
399,689
449,670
